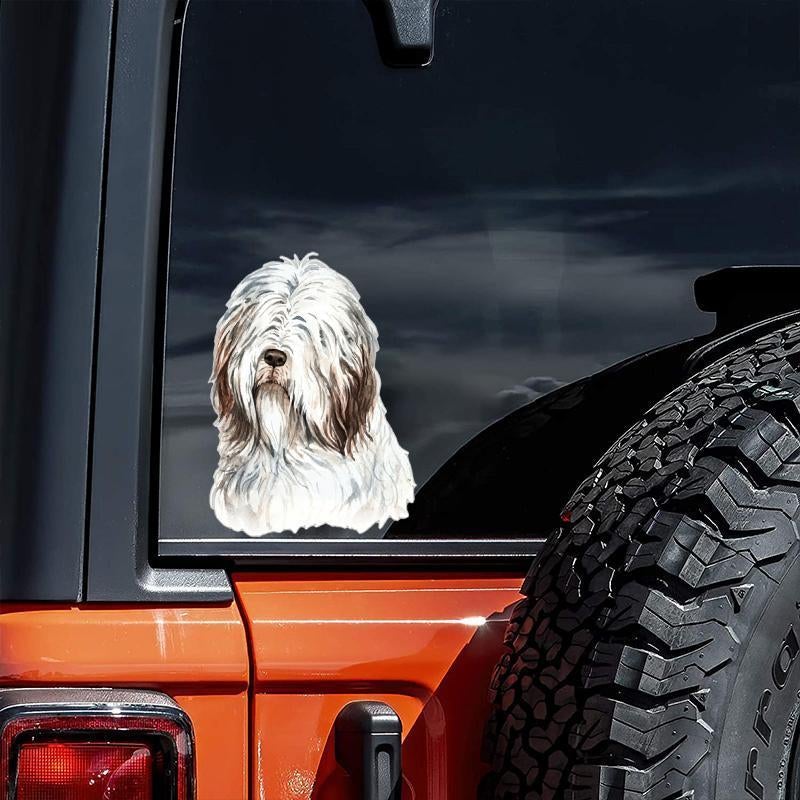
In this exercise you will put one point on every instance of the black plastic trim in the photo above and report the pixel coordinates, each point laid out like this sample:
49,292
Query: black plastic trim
404,30
367,744
119,567
742,295
54,67
365,551
722,345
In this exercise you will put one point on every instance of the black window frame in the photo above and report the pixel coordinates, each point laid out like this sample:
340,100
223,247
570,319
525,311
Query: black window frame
120,557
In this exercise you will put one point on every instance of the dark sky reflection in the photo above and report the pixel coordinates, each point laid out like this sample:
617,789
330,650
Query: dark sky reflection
529,210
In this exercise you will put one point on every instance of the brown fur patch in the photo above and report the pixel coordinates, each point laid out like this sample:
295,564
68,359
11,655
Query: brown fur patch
350,406
223,399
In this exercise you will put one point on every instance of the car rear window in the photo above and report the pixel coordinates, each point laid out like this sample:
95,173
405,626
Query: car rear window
530,208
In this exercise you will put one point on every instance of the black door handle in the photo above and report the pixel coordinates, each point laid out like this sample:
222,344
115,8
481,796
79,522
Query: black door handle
367,744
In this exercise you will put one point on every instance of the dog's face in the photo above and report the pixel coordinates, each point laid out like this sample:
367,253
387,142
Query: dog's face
294,355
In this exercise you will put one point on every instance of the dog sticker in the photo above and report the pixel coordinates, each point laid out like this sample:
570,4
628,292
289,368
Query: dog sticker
303,435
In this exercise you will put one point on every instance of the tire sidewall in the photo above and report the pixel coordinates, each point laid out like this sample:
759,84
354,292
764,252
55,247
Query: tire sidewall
763,707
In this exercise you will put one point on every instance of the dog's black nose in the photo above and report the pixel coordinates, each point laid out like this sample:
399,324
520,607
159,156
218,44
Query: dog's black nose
275,358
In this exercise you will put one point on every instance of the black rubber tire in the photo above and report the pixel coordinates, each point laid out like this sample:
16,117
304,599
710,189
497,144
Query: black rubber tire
654,655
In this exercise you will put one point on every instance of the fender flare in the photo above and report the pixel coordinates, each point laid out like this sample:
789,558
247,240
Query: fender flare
512,479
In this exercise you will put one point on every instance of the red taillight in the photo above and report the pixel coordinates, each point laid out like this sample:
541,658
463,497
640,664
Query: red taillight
82,771
112,756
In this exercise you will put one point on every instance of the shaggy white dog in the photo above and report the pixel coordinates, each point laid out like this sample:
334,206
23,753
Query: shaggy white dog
303,435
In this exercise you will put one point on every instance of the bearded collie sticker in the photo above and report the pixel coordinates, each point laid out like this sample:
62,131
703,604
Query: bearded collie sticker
303,435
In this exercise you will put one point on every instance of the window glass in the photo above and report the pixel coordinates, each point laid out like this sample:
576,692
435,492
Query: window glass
531,208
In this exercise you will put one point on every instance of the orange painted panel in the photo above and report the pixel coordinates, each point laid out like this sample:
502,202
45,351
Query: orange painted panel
293,747
197,655
220,725
424,645
125,645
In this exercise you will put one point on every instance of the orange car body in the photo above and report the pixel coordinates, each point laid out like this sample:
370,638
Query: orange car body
263,678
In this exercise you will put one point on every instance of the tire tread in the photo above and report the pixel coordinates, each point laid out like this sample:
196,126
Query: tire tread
602,692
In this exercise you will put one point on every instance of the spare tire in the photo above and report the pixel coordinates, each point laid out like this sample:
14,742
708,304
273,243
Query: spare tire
656,653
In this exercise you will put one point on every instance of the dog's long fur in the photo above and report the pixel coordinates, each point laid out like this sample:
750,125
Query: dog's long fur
306,443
